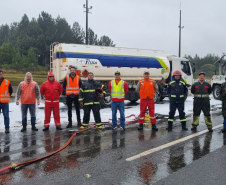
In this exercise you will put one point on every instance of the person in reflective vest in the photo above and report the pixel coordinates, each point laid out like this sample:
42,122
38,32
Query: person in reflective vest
201,91
147,88
6,91
51,90
118,89
91,101
177,91
71,88
27,92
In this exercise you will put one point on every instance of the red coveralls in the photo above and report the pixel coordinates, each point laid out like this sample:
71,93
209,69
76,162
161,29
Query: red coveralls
147,94
51,91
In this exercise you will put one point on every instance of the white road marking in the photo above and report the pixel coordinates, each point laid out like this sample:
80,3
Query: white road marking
169,144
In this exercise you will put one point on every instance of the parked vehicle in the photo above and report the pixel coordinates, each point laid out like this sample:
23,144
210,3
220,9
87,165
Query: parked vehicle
104,61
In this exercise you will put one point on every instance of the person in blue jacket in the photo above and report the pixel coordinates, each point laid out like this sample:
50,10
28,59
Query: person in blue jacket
177,90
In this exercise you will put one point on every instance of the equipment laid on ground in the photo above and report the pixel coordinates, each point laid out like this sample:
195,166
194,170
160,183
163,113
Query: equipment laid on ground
103,61
217,80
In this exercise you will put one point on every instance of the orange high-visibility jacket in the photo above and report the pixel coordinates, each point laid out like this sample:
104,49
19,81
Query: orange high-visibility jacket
4,90
147,89
28,92
72,85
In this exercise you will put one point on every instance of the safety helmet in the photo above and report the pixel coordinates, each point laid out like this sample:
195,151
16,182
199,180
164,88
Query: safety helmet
98,91
177,72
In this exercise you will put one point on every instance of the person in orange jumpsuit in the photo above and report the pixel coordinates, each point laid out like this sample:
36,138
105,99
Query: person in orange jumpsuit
51,90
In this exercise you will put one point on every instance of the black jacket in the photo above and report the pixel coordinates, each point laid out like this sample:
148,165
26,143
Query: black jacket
65,85
177,90
86,94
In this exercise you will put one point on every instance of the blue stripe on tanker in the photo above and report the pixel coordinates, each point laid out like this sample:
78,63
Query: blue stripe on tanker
113,60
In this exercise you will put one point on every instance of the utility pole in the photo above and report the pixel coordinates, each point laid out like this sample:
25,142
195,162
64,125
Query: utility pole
87,11
180,35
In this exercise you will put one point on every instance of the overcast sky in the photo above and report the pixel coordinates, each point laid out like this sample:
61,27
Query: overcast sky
146,24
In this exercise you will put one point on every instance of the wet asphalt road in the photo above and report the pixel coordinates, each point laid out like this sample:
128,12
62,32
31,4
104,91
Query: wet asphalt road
99,157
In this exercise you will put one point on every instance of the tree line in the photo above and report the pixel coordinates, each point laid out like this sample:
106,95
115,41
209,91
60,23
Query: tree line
25,45
204,64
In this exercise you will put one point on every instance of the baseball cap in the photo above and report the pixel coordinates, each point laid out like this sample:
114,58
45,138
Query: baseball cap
146,71
202,73
117,72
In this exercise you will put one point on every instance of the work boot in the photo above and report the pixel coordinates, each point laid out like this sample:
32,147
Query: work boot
154,128
79,123
99,127
194,128
183,124
208,122
23,129
210,129
69,125
34,128
223,130
45,129
83,127
170,126
7,131
59,128
140,127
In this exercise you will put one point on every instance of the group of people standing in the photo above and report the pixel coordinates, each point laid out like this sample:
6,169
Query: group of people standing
90,92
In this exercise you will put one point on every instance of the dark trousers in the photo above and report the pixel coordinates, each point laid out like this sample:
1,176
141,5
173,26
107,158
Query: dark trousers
173,108
5,110
96,113
201,104
24,108
77,108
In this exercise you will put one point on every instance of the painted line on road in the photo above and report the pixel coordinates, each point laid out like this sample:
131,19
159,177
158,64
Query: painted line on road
169,144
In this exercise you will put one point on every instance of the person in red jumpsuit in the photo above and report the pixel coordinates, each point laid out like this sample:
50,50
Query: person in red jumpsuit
51,90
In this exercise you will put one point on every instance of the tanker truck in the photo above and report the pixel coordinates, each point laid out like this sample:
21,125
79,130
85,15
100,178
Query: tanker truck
105,61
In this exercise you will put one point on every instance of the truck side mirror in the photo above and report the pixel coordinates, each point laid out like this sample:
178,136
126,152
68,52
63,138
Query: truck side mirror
194,69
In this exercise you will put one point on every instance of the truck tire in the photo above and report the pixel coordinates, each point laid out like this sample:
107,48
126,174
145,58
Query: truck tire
133,101
216,92
157,97
105,102
185,96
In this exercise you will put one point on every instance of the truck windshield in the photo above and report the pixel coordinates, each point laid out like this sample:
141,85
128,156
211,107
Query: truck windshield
185,67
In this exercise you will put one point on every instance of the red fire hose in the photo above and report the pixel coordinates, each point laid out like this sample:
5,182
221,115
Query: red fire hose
13,166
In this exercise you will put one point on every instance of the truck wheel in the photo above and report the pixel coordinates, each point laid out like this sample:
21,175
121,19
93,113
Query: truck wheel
216,92
185,96
157,97
133,101
106,100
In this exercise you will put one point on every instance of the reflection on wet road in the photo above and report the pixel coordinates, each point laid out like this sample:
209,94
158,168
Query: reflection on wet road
99,157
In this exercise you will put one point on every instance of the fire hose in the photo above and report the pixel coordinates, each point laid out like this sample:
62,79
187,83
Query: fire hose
14,166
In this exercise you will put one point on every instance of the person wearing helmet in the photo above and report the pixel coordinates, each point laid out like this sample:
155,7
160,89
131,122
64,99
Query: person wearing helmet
177,90
201,91
90,95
